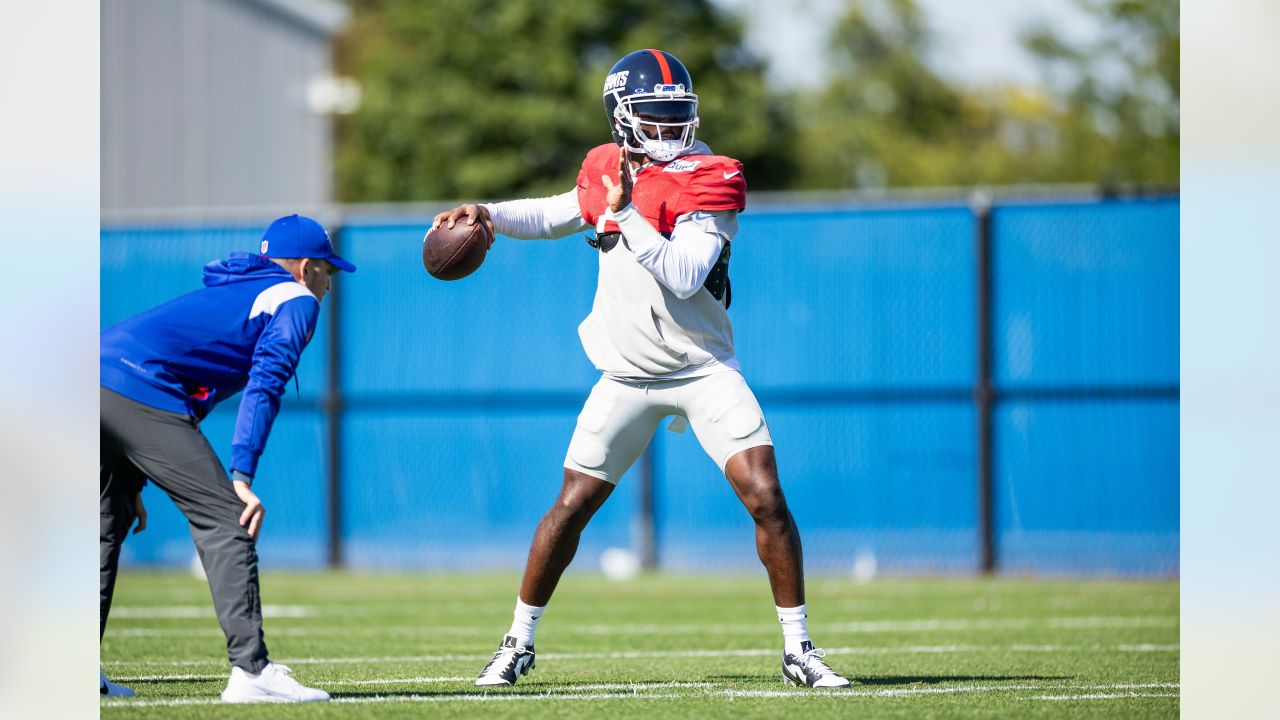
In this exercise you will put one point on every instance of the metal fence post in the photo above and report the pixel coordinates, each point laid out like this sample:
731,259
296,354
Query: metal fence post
333,408
984,387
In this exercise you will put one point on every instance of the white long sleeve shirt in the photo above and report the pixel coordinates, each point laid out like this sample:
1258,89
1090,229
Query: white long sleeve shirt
681,264
649,319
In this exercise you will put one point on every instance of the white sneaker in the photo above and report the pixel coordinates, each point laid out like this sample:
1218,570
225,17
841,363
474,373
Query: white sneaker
273,684
106,688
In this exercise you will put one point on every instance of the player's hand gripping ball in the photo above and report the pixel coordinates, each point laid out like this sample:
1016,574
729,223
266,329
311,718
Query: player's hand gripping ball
457,242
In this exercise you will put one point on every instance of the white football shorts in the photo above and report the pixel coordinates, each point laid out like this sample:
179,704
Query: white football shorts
619,419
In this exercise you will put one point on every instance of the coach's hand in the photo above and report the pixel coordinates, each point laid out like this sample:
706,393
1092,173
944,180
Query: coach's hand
472,212
619,196
251,518
141,511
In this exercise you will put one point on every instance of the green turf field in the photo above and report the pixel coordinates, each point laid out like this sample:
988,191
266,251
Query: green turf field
410,645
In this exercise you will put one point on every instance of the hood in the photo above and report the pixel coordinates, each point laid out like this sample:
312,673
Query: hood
697,148
242,267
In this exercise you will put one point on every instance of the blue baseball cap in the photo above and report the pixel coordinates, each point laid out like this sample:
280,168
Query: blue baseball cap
298,236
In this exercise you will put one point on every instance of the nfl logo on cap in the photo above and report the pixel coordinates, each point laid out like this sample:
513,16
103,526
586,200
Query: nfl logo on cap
264,247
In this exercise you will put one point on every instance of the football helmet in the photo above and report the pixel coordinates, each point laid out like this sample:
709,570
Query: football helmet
648,97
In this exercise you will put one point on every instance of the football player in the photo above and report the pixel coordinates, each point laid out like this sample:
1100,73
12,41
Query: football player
665,211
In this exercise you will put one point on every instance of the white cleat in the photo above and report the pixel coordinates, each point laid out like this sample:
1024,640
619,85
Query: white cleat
106,688
809,669
274,684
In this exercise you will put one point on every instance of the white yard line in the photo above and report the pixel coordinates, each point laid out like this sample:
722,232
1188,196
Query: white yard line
857,627
635,654
167,632
165,678
1112,622
205,611
639,692
1102,696
468,679
395,681
416,699
958,689
223,676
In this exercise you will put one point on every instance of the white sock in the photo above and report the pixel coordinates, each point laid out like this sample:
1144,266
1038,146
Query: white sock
795,630
525,622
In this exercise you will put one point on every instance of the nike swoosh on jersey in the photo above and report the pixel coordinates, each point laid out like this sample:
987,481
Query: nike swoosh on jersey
731,174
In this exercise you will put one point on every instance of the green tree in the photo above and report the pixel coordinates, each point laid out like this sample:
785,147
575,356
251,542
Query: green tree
1120,91
492,99
887,118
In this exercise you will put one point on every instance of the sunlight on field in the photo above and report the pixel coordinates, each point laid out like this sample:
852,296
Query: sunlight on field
668,646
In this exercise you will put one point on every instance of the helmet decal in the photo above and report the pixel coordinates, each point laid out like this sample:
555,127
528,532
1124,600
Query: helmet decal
616,80
662,64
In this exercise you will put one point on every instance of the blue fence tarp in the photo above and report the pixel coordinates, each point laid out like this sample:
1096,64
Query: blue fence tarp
858,331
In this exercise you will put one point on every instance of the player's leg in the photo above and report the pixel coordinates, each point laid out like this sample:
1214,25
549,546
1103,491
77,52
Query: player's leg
730,426
615,425
555,542
120,481
170,450
753,474
173,452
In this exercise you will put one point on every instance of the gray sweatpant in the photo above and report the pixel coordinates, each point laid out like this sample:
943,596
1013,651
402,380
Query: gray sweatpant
141,441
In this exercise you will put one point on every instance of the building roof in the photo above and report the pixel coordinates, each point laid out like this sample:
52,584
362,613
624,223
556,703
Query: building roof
325,17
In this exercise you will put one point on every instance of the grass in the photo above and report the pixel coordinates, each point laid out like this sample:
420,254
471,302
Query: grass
390,646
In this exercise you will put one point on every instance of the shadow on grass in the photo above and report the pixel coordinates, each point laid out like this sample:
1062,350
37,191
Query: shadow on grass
903,680
935,679
522,690
450,693
175,681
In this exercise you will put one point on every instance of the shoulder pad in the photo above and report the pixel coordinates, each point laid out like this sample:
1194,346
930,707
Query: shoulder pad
717,184
598,159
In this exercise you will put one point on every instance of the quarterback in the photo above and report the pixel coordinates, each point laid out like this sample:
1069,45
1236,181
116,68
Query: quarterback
664,210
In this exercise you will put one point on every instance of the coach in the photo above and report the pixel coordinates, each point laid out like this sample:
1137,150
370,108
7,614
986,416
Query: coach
162,372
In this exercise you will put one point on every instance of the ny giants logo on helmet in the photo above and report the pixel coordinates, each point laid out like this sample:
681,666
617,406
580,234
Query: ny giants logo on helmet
616,80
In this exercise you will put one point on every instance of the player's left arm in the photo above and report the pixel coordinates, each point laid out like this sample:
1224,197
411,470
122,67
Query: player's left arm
682,263
275,358
548,218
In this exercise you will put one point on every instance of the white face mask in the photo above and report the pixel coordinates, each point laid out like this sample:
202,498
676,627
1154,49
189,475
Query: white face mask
663,150
672,138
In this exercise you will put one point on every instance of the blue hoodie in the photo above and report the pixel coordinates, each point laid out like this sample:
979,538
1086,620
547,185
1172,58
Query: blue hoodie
245,330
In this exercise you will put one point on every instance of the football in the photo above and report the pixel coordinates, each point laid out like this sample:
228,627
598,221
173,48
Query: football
454,254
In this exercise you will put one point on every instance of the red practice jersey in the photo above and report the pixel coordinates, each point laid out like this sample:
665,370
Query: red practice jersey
663,191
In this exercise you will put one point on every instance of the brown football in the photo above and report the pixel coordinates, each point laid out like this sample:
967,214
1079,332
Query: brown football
454,254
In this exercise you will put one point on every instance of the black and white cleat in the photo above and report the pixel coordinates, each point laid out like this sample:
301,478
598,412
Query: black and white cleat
808,668
508,664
